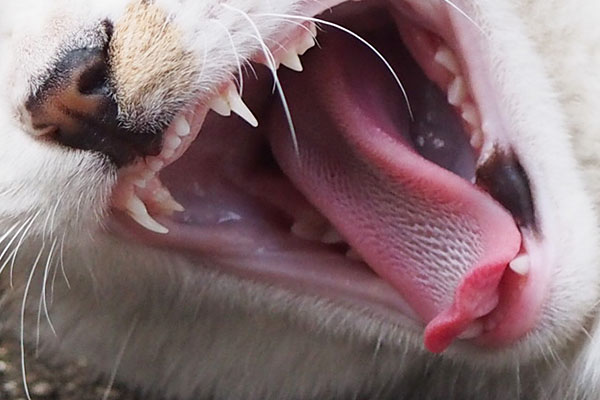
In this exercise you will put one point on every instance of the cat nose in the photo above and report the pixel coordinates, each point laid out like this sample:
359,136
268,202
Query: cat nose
75,106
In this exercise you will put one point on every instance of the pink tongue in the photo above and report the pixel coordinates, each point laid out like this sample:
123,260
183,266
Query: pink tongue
441,241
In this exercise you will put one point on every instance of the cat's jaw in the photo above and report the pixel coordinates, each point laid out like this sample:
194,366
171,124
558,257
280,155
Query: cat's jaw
537,122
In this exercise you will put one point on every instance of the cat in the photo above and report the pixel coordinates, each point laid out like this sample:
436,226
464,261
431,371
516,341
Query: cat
402,206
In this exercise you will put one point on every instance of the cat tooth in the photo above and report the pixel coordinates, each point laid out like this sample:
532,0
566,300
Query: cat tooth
477,139
457,91
353,255
472,331
138,211
307,230
182,126
445,57
331,237
240,108
167,202
155,164
469,114
307,43
220,105
292,61
521,264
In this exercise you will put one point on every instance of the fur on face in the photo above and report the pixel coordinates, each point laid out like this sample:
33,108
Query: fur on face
196,332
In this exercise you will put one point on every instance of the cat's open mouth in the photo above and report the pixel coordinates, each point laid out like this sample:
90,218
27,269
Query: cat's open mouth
358,174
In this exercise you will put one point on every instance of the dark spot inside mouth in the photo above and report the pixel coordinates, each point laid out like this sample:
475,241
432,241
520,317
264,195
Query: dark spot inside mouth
505,179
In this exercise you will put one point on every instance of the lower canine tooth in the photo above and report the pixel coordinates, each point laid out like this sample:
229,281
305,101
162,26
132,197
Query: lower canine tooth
292,61
240,108
521,264
137,210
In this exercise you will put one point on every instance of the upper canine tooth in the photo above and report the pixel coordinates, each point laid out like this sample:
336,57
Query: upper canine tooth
138,211
292,61
444,56
220,105
182,127
521,264
240,108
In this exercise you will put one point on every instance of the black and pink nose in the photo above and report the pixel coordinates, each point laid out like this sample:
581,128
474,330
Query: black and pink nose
76,107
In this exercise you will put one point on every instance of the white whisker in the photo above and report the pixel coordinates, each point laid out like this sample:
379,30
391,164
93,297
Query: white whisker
464,14
236,55
273,68
22,333
357,37
120,355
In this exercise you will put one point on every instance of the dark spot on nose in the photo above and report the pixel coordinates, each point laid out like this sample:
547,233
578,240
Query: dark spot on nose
76,106
503,177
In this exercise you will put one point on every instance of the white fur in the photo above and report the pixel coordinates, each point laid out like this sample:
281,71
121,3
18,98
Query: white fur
198,334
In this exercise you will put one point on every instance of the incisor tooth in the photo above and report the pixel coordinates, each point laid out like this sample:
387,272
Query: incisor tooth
172,142
445,57
221,106
521,264
240,108
457,91
292,61
477,138
469,114
182,127
312,28
137,210
331,237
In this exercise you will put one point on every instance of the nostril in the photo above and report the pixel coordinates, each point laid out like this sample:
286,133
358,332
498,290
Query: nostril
94,80
75,106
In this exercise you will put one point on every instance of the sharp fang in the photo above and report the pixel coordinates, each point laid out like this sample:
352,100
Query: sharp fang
331,237
292,61
240,108
167,202
446,58
182,127
521,264
137,210
221,106
457,91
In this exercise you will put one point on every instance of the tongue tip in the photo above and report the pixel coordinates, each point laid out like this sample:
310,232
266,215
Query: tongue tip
476,297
